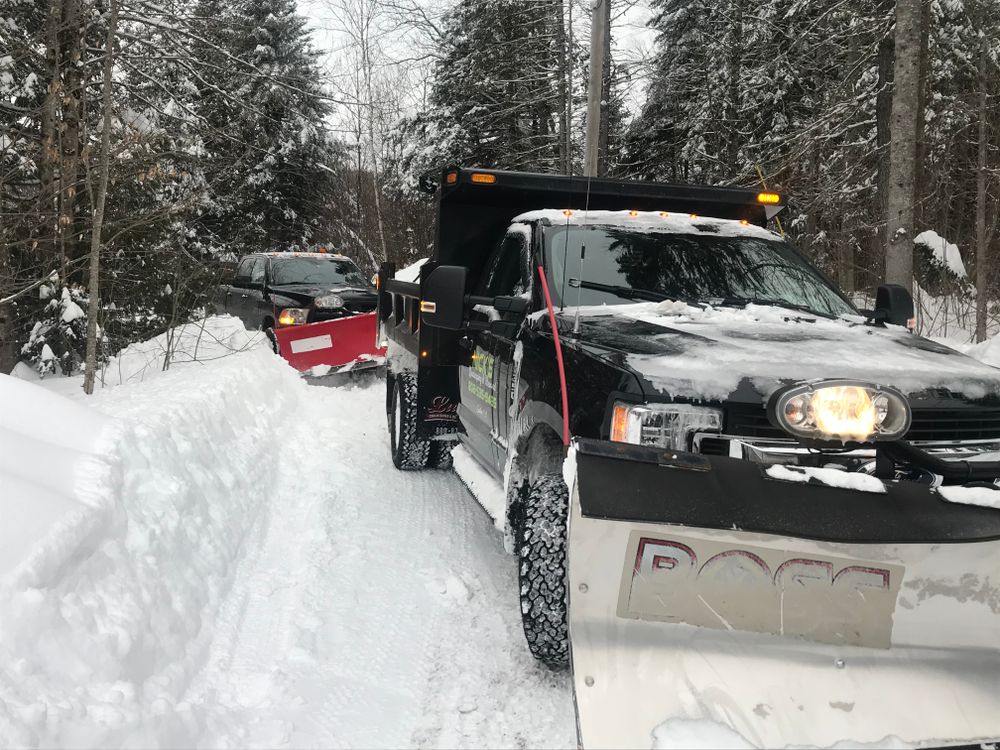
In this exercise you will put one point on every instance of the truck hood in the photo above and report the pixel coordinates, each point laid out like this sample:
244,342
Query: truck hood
716,354
306,293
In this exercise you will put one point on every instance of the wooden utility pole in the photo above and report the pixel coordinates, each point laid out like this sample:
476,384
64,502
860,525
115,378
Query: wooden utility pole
90,363
595,93
903,145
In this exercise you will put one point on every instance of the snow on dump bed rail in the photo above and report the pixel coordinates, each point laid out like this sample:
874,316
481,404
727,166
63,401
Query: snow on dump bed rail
120,529
650,221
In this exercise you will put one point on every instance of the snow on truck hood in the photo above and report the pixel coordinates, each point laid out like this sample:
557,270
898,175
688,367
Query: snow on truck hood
705,353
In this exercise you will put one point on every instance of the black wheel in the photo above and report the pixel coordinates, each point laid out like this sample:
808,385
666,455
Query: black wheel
272,339
540,542
440,454
409,452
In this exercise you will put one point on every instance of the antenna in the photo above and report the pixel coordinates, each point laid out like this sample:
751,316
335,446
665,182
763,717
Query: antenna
583,257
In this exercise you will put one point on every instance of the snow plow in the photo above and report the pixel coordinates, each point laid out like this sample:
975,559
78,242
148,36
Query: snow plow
778,521
790,613
342,345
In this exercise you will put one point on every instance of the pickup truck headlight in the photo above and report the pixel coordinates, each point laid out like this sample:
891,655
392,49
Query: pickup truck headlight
843,410
330,302
662,425
293,316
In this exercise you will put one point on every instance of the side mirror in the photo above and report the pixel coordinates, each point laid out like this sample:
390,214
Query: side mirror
442,297
893,304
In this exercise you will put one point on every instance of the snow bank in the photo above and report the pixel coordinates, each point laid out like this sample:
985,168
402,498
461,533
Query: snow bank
411,272
122,522
192,344
946,253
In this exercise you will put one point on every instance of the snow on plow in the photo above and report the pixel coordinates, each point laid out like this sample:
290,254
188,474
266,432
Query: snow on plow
781,614
344,344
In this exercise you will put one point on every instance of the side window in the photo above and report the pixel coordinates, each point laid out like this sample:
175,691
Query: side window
509,273
243,271
257,274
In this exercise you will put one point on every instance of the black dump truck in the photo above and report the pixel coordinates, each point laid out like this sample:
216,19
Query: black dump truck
650,325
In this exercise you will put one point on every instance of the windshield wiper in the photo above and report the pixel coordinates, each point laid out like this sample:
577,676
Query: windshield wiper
625,292
740,301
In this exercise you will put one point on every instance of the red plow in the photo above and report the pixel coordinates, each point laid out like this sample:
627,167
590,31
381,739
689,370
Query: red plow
343,345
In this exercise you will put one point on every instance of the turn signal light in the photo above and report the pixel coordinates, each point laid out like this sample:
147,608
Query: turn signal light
428,307
619,423
451,178
770,198
483,179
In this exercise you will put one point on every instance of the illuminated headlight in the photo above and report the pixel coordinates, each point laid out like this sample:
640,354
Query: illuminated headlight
841,410
663,425
293,316
330,302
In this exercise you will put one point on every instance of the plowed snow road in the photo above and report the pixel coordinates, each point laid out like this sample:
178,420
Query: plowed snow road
373,608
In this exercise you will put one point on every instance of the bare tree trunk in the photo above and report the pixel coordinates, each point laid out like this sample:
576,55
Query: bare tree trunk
731,110
903,146
70,135
982,258
883,116
49,166
90,363
919,182
562,88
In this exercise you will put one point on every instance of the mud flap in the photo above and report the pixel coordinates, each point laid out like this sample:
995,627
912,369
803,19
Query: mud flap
342,343
738,634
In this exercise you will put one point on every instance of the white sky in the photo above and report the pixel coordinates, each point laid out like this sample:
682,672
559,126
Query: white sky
631,39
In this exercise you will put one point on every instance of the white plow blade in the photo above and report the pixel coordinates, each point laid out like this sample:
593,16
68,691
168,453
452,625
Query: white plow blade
673,625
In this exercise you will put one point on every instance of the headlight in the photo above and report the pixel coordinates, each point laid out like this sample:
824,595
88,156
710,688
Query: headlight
293,316
330,302
663,425
843,410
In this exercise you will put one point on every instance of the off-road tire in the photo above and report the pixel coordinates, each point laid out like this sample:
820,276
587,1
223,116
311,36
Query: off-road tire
440,455
540,542
272,339
409,453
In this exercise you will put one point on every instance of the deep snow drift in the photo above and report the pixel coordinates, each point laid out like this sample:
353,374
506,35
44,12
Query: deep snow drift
221,555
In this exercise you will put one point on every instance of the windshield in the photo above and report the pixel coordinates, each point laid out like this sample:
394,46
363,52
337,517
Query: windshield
325,271
622,265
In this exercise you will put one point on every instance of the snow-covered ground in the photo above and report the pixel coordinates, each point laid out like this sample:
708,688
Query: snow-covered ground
222,556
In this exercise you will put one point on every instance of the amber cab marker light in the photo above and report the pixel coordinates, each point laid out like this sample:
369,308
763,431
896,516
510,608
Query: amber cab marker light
664,214
694,216
633,214
428,307
567,212
744,222
619,423
770,198
451,178
484,179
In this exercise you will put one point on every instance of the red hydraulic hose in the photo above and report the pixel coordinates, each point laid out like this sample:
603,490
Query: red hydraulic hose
559,356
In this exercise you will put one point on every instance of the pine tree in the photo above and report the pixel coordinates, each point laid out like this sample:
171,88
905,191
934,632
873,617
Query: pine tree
264,110
494,99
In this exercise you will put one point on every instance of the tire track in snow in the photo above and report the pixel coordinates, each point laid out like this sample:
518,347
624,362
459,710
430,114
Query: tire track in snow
380,609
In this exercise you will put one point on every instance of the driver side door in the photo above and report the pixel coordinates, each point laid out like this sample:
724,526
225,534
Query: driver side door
483,379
